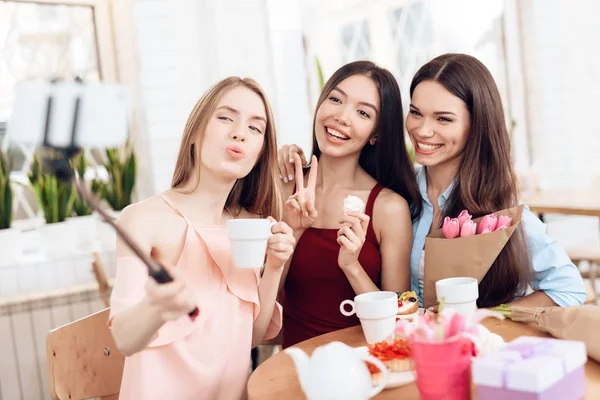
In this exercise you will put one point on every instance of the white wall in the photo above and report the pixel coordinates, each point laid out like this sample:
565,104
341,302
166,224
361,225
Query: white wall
185,46
291,103
561,60
561,67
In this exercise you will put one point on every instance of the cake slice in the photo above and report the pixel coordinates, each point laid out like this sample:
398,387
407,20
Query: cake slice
395,356
408,305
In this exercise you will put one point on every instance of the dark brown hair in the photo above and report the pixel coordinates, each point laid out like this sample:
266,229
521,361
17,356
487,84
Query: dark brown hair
387,161
486,181
259,192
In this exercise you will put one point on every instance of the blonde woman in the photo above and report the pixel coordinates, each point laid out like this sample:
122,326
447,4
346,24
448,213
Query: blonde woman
227,168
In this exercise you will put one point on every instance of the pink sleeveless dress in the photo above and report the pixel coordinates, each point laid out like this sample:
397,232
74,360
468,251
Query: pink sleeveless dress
210,357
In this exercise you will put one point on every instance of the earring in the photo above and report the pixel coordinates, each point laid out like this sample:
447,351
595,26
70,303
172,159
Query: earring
373,140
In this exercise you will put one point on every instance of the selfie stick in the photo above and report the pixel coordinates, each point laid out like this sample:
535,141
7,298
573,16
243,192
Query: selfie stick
63,171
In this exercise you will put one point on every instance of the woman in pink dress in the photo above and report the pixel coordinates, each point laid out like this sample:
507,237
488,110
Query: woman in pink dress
226,168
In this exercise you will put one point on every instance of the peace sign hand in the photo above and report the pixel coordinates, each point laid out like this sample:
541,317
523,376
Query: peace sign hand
300,212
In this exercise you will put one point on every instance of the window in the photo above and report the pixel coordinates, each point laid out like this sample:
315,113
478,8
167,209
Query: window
45,41
412,35
356,41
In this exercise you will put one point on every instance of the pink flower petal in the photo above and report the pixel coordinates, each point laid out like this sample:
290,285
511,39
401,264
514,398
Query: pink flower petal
468,229
504,221
463,217
451,228
456,325
488,222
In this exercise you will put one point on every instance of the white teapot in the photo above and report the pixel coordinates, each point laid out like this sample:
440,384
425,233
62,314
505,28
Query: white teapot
336,371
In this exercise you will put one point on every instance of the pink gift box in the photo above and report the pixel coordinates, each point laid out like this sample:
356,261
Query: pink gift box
532,368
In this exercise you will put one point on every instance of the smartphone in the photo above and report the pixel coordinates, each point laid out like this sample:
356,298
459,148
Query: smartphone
44,114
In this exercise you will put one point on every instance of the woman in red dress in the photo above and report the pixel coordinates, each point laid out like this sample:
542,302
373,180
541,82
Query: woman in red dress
358,149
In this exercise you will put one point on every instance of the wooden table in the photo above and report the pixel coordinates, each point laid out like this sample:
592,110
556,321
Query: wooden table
276,378
569,202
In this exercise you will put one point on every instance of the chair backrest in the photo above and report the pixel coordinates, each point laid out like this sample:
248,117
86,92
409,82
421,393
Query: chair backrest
83,360
100,274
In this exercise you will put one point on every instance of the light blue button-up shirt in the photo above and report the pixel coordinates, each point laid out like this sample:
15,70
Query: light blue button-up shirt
552,270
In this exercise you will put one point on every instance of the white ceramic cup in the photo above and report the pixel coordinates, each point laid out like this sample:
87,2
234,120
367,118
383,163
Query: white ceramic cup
248,239
458,293
377,313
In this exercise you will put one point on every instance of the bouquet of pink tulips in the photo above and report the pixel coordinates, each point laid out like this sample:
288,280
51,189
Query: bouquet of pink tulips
464,226
466,247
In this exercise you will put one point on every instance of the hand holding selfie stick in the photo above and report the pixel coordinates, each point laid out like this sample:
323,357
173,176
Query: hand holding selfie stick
63,170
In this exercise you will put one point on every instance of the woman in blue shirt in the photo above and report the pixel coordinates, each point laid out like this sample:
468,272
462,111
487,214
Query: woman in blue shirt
456,124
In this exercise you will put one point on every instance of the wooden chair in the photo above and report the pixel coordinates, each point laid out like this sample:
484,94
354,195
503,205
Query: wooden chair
83,360
591,255
100,275
590,276
591,292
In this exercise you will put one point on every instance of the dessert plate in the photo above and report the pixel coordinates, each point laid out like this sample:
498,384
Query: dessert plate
395,379
420,311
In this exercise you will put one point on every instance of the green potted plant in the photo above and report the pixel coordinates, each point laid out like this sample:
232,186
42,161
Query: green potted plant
10,238
320,76
6,194
80,206
117,190
55,200
122,169
84,222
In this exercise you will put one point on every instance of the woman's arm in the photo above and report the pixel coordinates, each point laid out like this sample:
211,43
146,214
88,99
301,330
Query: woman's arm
535,299
396,243
286,268
552,271
288,188
359,279
392,214
134,328
267,295
279,249
299,207
139,306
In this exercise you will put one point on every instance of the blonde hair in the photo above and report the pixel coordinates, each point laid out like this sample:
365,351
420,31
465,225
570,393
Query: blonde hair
259,192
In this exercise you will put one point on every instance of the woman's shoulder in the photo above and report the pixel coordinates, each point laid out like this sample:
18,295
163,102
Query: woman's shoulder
390,204
150,221
534,228
143,209
146,213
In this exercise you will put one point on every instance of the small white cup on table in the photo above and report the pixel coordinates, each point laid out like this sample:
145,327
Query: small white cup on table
377,313
460,293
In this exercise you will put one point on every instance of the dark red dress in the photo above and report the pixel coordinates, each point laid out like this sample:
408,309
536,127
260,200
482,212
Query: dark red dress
315,285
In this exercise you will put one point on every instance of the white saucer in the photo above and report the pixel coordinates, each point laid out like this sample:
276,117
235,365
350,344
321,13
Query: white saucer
395,379
420,311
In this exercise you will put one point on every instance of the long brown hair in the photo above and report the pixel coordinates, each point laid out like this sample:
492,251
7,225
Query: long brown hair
259,192
387,161
486,180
